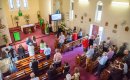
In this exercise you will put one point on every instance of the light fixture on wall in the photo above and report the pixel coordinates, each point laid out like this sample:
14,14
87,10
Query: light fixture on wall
83,1
120,3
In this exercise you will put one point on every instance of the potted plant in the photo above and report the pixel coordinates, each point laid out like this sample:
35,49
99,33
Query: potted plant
16,18
27,17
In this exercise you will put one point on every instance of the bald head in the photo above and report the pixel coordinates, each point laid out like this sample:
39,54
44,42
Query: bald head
126,52
32,75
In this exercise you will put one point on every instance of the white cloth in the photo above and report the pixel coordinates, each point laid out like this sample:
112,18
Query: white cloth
35,78
31,50
57,57
68,77
76,76
28,25
90,53
47,51
125,68
61,39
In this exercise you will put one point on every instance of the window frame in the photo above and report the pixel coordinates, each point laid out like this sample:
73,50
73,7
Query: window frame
98,13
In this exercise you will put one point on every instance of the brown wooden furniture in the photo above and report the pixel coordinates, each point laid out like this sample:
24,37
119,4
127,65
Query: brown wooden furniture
104,75
91,66
24,63
70,45
21,75
30,28
80,59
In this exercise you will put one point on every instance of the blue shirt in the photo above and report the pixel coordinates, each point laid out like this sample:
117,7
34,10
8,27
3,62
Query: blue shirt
90,53
80,33
103,60
47,51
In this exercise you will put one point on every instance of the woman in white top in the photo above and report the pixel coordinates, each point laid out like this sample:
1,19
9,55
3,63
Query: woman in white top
76,75
31,49
61,39
42,46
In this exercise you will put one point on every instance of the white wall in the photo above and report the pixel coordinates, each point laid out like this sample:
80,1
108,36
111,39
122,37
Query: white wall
4,22
111,14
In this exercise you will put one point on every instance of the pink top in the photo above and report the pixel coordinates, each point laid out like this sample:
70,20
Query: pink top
57,57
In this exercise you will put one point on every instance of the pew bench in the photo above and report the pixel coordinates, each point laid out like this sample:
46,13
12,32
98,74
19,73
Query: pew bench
21,75
80,60
71,45
104,75
24,63
91,66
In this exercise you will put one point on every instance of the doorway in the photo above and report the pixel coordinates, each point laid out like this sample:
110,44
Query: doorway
96,30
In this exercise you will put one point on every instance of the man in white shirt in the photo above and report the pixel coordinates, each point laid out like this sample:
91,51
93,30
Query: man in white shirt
61,39
47,52
31,49
102,61
89,54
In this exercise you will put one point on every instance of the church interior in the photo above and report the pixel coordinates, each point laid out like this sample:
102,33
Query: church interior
65,39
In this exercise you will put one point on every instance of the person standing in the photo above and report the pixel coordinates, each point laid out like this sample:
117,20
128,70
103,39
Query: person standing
34,41
89,55
47,52
52,73
21,52
80,34
42,46
97,39
31,49
91,40
29,40
61,40
85,43
57,58
76,75
34,66
12,53
66,69
74,35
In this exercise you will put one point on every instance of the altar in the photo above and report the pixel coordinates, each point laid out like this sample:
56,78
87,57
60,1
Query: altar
29,28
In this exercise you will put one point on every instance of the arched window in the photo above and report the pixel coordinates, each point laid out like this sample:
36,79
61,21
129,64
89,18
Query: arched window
71,15
98,14
18,4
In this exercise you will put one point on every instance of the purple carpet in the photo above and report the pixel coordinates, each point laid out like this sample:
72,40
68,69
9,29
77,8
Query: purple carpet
70,58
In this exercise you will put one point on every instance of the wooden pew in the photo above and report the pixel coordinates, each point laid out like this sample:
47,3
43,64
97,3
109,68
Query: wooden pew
21,75
80,59
104,75
24,63
91,66
71,45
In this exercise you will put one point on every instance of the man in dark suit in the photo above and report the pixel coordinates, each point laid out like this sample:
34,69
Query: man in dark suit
34,66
